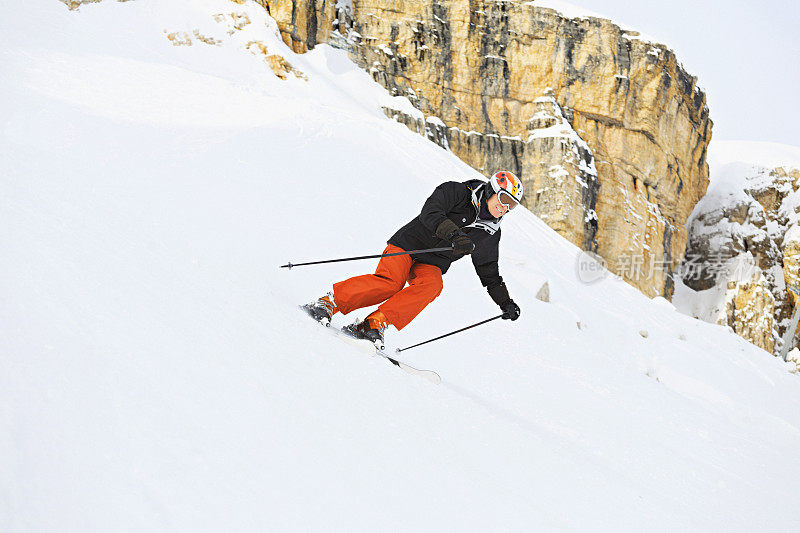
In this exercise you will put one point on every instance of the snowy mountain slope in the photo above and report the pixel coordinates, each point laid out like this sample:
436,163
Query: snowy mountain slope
155,375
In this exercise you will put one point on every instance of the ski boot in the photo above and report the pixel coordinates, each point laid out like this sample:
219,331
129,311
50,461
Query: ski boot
322,310
370,329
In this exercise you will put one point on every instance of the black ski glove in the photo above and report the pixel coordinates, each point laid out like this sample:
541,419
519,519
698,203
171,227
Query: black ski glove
448,231
462,245
510,310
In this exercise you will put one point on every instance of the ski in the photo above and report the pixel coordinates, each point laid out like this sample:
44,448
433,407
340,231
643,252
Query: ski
368,346
429,375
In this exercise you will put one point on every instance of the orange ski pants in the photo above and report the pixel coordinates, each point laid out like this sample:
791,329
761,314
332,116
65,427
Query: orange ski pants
401,305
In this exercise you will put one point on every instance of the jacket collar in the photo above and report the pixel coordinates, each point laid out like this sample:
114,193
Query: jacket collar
489,226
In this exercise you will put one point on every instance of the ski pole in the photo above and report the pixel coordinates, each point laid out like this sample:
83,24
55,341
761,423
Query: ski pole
451,333
290,265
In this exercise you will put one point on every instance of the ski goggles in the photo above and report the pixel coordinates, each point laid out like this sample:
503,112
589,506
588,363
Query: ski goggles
507,200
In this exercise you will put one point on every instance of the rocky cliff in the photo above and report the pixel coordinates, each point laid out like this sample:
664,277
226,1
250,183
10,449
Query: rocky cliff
744,251
606,129
302,23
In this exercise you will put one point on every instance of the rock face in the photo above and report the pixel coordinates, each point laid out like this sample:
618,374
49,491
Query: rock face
791,263
606,130
757,218
302,23
560,175
749,309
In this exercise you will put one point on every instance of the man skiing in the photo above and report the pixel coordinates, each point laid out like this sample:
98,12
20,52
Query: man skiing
465,215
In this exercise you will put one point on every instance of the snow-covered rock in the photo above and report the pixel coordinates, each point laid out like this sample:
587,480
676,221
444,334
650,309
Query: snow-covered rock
744,241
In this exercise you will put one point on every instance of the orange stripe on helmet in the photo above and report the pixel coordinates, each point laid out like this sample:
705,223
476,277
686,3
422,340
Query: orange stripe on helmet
509,182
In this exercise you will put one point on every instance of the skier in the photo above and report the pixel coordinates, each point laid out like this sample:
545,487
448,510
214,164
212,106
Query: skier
467,216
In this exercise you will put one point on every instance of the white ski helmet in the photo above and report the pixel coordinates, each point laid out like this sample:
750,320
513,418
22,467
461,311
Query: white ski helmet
507,182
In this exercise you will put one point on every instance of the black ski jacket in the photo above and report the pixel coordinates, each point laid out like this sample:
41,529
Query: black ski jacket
460,202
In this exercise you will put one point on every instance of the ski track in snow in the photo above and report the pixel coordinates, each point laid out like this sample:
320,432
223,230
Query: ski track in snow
155,374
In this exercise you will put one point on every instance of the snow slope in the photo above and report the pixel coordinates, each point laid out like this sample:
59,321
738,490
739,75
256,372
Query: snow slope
156,376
